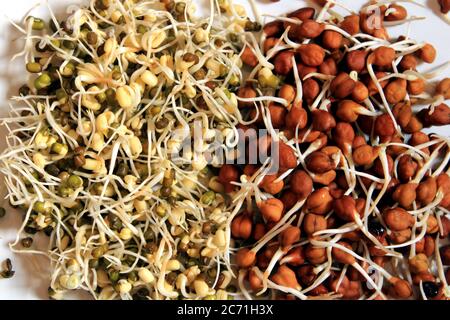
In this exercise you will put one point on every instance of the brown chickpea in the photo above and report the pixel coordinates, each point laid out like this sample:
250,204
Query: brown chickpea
358,142
398,219
277,115
308,29
273,28
405,194
271,209
227,174
445,226
241,226
400,288
429,246
443,184
255,282
303,13
306,274
295,257
307,136
247,92
311,90
322,3
406,168
395,91
378,167
304,70
315,255
409,62
331,39
313,223
400,13
270,251
416,87
248,57
418,138
269,185
432,225
296,118
328,67
319,162
286,156
350,24
342,289
426,191
443,88
301,184
402,113
373,89
398,237
259,231
285,277
270,43
356,60
325,178
360,93
289,199
283,62
320,201
342,86
376,251
343,135
414,125
365,155
289,236
345,208
311,54
383,56
319,290
445,8
250,169
420,245
384,126
245,258
445,255
353,236
381,33
347,110
438,116
341,256
322,120
287,92
427,53
370,22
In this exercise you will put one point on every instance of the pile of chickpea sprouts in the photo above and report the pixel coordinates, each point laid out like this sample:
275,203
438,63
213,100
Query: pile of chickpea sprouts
72,240
328,238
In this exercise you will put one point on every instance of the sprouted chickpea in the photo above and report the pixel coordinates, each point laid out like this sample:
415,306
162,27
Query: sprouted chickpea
369,188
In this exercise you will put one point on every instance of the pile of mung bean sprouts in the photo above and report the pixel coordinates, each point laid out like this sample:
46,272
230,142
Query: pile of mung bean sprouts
90,145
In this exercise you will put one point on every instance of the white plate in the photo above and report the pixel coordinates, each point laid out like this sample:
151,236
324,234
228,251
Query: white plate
31,279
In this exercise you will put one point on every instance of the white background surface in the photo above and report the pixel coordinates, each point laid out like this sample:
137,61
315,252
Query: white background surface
31,279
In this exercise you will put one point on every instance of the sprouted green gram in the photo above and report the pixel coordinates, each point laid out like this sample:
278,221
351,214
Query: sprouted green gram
89,145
